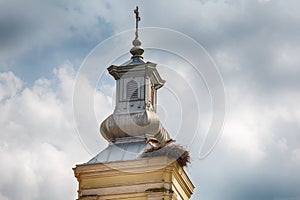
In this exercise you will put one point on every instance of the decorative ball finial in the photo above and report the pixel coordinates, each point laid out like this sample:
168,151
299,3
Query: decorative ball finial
137,50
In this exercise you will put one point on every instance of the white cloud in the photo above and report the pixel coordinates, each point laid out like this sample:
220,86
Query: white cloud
251,120
246,127
9,85
39,146
296,156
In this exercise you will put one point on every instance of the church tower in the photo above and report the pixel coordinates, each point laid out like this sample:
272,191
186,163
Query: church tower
141,161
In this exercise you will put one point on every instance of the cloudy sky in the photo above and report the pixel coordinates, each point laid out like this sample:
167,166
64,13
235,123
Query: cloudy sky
255,45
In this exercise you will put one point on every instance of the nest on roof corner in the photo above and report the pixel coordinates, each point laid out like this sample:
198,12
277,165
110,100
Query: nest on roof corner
172,150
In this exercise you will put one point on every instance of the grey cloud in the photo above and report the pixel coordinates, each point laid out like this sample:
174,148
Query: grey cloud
39,147
231,175
34,26
250,32
245,38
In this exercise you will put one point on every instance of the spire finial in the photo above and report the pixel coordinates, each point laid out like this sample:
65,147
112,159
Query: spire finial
137,51
137,19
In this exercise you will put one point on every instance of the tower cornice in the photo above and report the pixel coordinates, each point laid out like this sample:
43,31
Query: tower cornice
148,70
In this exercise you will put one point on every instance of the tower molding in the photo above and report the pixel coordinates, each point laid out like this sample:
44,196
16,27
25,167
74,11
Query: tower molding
150,178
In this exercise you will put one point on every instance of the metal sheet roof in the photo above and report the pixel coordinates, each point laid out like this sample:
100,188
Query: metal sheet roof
136,61
119,152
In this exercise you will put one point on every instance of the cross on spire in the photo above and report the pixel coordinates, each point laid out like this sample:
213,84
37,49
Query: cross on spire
137,19
137,50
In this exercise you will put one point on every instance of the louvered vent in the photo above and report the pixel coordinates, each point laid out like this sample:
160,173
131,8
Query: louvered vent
132,90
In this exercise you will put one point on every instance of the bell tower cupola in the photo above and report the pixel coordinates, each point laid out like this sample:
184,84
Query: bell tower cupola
137,82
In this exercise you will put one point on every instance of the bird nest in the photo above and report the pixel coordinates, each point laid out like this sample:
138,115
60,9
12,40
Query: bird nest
174,151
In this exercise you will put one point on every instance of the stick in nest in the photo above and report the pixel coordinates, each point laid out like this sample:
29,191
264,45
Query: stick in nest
171,150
